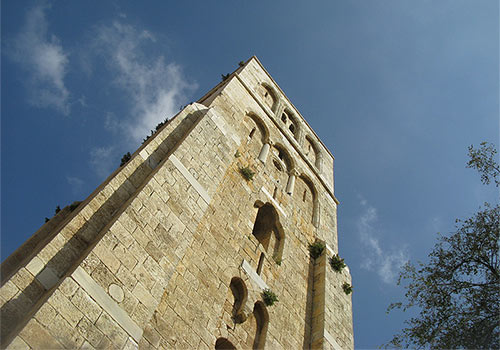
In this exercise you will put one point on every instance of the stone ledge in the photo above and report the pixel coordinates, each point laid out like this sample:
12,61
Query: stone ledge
253,275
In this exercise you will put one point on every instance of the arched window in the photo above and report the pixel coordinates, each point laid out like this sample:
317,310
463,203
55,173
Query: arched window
269,232
268,96
224,344
312,152
240,293
290,122
262,319
305,195
256,133
282,164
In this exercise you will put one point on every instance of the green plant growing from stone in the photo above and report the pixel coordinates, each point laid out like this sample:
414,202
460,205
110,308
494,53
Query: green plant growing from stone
74,205
47,219
347,288
126,157
316,249
225,76
247,173
269,297
241,63
337,263
58,209
158,126
237,154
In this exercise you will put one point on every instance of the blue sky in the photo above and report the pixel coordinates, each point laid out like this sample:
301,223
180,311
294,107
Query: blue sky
396,89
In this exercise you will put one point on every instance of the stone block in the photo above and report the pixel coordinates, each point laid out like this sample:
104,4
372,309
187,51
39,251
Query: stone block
141,315
144,297
105,254
64,306
152,336
64,333
46,314
37,337
35,266
108,326
122,234
125,276
68,287
8,290
142,274
18,344
124,256
90,332
22,279
86,304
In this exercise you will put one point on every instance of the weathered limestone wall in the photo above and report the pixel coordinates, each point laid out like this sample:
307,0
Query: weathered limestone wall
86,229
175,248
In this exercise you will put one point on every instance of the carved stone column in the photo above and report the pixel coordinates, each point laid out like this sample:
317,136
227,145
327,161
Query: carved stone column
291,181
265,151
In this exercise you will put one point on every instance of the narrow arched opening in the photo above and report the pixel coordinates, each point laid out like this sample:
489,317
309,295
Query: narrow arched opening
312,152
306,197
224,344
269,232
268,96
282,163
256,133
240,293
262,319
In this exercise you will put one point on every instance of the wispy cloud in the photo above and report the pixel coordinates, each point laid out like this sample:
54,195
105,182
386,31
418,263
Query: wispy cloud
75,183
154,87
103,161
43,57
386,262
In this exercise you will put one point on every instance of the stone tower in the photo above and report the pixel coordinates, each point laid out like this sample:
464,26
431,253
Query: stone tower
176,249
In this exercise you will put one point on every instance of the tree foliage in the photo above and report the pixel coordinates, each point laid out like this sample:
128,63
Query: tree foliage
483,159
458,290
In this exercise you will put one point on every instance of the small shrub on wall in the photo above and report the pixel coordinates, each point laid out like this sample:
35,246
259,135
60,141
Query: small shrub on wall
126,157
269,297
337,263
347,288
247,173
316,249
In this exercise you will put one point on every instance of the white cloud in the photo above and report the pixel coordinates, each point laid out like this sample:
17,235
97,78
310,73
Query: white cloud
75,183
103,161
45,61
155,88
82,101
386,263
111,123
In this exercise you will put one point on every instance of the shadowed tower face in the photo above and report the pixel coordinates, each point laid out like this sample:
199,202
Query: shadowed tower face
200,240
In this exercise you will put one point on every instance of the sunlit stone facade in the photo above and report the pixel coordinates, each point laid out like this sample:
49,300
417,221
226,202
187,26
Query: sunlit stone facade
177,246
